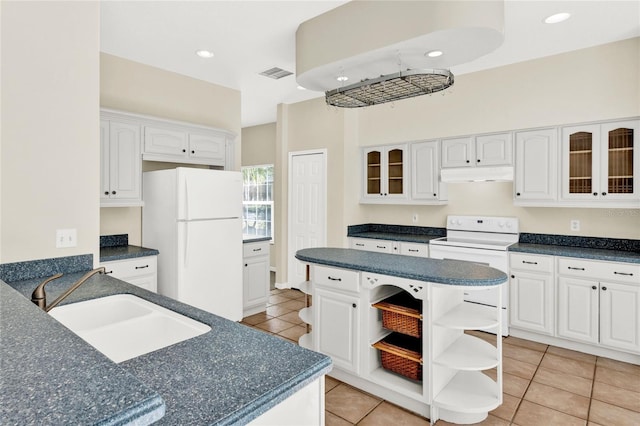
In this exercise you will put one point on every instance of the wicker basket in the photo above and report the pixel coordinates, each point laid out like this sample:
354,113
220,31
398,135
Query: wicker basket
401,354
402,313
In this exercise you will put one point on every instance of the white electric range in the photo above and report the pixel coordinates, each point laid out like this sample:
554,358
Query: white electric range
484,240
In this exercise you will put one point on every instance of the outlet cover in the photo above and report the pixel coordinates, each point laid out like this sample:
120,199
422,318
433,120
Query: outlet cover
575,225
66,238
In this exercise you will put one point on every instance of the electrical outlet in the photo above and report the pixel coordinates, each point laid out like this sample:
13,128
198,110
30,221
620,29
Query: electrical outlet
575,225
415,218
66,238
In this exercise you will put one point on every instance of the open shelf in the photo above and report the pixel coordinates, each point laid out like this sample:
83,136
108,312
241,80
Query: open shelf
469,392
469,316
306,315
306,341
305,287
397,383
456,356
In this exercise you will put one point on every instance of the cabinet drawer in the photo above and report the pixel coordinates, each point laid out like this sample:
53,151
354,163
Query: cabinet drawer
414,249
368,244
602,271
255,249
341,279
531,262
139,266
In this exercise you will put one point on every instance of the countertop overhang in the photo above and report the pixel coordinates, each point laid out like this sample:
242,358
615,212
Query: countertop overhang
450,272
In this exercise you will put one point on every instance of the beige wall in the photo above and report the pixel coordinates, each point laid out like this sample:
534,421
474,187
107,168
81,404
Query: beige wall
50,164
536,93
134,87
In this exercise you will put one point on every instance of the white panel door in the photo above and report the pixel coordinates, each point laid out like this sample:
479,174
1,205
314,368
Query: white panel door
210,266
620,316
424,170
307,209
578,309
536,171
206,194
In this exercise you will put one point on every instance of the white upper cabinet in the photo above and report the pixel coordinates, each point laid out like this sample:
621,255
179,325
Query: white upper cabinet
385,174
184,145
120,162
600,163
483,150
425,184
536,168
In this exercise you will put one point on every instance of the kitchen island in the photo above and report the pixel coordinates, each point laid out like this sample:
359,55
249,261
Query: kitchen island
231,375
435,367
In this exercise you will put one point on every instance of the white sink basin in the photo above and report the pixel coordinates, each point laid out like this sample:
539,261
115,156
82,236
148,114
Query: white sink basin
124,326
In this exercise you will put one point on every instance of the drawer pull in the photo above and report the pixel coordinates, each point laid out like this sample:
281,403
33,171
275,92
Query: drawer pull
413,250
334,279
575,269
142,267
529,263
108,272
360,244
628,274
381,247
257,249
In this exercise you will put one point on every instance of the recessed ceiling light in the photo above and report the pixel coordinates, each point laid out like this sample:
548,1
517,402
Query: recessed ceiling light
342,78
204,53
558,17
434,53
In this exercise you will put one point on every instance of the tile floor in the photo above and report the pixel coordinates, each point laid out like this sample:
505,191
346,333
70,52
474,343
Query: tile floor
543,385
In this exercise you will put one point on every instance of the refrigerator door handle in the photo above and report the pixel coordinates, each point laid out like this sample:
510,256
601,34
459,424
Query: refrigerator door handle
186,243
186,198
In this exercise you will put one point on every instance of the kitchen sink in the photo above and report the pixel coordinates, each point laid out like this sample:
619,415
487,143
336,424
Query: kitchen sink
124,326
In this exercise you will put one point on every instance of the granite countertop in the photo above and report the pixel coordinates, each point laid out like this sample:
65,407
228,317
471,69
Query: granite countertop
580,252
108,254
451,272
254,239
412,234
227,376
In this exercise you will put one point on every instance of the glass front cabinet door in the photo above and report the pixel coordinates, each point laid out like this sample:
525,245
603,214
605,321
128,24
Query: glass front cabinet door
385,170
600,162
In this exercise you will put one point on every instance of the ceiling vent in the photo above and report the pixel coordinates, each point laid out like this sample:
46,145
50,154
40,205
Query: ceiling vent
276,73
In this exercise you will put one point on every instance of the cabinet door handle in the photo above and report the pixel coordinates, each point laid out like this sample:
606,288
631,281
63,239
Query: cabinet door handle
575,269
354,305
142,267
468,161
513,276
257,249
113,192
593,287
108,272
628,274
106,192
193,152
334,279
529,263
604,289
184,150
478,160
595,194
517,194
246,264
604,193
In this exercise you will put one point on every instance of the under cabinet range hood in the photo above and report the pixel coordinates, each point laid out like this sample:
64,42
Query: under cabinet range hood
477,174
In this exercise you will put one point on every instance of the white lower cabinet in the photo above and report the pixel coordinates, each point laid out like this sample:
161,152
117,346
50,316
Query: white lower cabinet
599,303
255,277
532,292
336,327
139,271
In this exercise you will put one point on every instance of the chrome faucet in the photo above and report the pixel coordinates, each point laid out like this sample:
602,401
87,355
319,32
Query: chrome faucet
39,297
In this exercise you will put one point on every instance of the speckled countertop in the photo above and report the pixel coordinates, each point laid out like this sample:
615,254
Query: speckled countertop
580,252
116,247
227,376
412,234
452,272
254,239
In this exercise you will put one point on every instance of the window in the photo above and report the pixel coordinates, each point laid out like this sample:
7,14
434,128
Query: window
257,204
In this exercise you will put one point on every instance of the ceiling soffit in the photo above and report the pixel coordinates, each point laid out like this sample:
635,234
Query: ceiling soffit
366,39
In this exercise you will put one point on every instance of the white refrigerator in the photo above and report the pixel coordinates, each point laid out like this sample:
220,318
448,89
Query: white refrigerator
193,217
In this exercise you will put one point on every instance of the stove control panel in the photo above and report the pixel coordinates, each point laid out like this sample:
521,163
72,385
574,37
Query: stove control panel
508,225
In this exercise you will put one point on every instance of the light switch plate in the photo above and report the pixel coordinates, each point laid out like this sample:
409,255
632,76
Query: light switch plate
66,238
